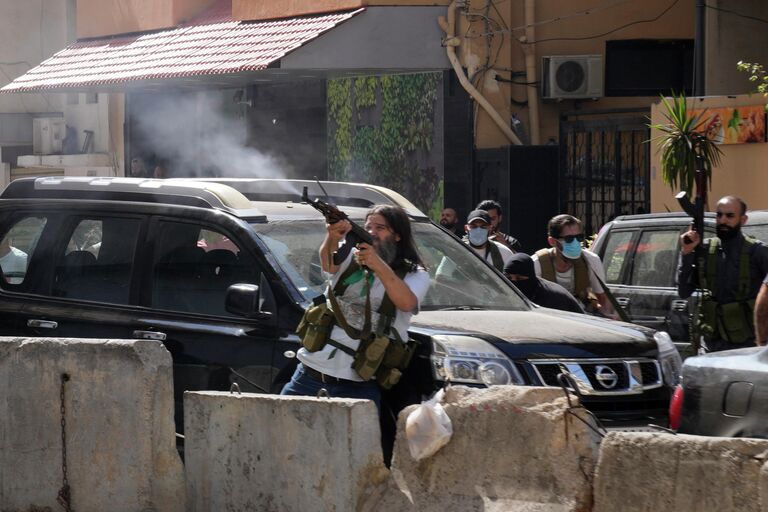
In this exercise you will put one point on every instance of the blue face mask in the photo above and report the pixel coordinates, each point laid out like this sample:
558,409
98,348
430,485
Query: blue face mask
571,250
478,236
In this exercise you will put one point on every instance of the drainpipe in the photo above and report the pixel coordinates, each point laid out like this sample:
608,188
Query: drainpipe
530,71
698,50
451,43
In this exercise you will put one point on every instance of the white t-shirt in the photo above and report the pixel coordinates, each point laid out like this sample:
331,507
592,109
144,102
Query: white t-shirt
336,363
506,252
15,261
566,279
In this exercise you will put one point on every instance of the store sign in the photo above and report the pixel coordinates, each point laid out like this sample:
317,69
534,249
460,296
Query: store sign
733,125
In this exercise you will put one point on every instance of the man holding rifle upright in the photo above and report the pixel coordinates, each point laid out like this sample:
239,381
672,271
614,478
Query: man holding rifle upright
729,269
373,292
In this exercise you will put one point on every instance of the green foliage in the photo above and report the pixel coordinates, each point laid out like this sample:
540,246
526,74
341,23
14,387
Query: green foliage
684,146
392,148
756,74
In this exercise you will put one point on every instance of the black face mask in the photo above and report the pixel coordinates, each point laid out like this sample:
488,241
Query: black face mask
527,286
726,232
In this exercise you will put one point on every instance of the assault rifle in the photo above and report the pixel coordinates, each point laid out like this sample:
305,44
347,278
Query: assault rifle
695,210
333,215
698,330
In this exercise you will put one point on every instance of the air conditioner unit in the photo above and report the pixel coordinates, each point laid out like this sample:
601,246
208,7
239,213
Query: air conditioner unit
572,77
47,135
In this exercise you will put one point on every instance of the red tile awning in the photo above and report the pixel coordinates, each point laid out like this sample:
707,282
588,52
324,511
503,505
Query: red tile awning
213,44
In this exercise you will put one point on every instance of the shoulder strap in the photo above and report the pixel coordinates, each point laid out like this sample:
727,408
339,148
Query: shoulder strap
581,277
387,308
547,264
708,267
496,258
744,260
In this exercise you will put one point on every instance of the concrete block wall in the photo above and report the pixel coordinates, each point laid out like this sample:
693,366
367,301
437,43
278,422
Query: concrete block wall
267,452
654,472
118,415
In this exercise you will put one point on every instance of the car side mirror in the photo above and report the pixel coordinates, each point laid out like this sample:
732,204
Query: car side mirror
251,301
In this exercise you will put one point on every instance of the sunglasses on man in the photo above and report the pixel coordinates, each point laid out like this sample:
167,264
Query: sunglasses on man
570,238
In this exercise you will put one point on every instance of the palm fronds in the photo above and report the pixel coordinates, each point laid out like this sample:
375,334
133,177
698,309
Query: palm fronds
685,146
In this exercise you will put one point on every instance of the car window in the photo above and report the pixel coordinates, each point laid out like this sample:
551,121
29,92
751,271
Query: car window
97,261
655,260
17,246
458,278
193,266
617,248
758,231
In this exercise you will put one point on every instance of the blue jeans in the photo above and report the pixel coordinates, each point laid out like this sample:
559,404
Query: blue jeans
305,385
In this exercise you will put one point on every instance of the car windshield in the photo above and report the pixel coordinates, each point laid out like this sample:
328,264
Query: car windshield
459,280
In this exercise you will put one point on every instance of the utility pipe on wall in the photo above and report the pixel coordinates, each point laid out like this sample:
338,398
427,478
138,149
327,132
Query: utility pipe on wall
451,43
530,71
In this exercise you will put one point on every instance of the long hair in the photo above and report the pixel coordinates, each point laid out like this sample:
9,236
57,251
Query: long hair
398,221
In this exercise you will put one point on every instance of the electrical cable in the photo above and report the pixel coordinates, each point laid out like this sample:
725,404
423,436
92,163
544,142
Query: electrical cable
596,36
740,15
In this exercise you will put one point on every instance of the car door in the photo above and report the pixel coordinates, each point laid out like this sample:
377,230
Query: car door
616,252
650,277
78,280
187,268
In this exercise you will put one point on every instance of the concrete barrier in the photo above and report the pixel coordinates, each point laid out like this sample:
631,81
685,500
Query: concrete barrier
280,453
654,472
117,418
513,449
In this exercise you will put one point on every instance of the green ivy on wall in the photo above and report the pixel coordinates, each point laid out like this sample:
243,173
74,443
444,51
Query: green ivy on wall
381,131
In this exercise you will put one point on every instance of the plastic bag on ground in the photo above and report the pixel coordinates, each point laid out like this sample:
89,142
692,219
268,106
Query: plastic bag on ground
428,428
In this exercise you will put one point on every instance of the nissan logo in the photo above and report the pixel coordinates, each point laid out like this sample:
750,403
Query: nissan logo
606,376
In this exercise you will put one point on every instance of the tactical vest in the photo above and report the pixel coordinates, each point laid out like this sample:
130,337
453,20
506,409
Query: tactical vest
377,355
733,321
580,273
496,259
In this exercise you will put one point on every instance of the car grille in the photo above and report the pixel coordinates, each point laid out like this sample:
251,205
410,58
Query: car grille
602,376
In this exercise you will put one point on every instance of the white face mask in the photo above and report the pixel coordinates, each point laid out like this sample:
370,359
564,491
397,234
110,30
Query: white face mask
478,236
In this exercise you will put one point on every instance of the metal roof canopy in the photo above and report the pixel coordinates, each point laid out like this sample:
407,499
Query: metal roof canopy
227,53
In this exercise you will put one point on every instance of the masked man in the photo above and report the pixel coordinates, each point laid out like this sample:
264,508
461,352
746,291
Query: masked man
567,264
540,291
731,267
478,229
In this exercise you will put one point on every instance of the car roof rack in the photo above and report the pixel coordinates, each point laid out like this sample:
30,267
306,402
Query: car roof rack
338,193
183,192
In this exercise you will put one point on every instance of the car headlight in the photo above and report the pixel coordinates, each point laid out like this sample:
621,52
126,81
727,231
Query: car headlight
669,358
468,360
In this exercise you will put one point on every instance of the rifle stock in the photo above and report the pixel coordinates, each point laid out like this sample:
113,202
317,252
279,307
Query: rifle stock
333,215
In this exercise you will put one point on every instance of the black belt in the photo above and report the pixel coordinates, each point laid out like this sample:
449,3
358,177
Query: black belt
328,379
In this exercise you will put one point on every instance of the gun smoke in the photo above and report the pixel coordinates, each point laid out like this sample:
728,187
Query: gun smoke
200,134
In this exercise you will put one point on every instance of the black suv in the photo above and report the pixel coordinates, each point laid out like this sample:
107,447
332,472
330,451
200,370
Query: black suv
640,254
157,259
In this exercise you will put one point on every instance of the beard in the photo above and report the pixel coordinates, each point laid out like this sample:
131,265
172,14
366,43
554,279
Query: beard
727,232
446,224
387,251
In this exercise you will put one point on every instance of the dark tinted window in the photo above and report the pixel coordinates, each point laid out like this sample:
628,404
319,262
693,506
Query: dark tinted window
194,265
655,260
97,261
618,249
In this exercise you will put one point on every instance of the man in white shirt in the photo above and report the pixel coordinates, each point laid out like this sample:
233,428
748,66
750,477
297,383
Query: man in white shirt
13,262
478,229
578,271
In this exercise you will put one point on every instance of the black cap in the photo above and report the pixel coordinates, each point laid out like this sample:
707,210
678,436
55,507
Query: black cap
479,214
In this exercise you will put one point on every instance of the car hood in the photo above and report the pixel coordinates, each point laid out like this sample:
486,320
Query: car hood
540,325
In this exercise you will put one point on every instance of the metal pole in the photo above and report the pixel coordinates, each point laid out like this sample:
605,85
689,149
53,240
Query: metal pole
698,49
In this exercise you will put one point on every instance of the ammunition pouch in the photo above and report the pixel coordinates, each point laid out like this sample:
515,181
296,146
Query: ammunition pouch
732,322
315,326
369,356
